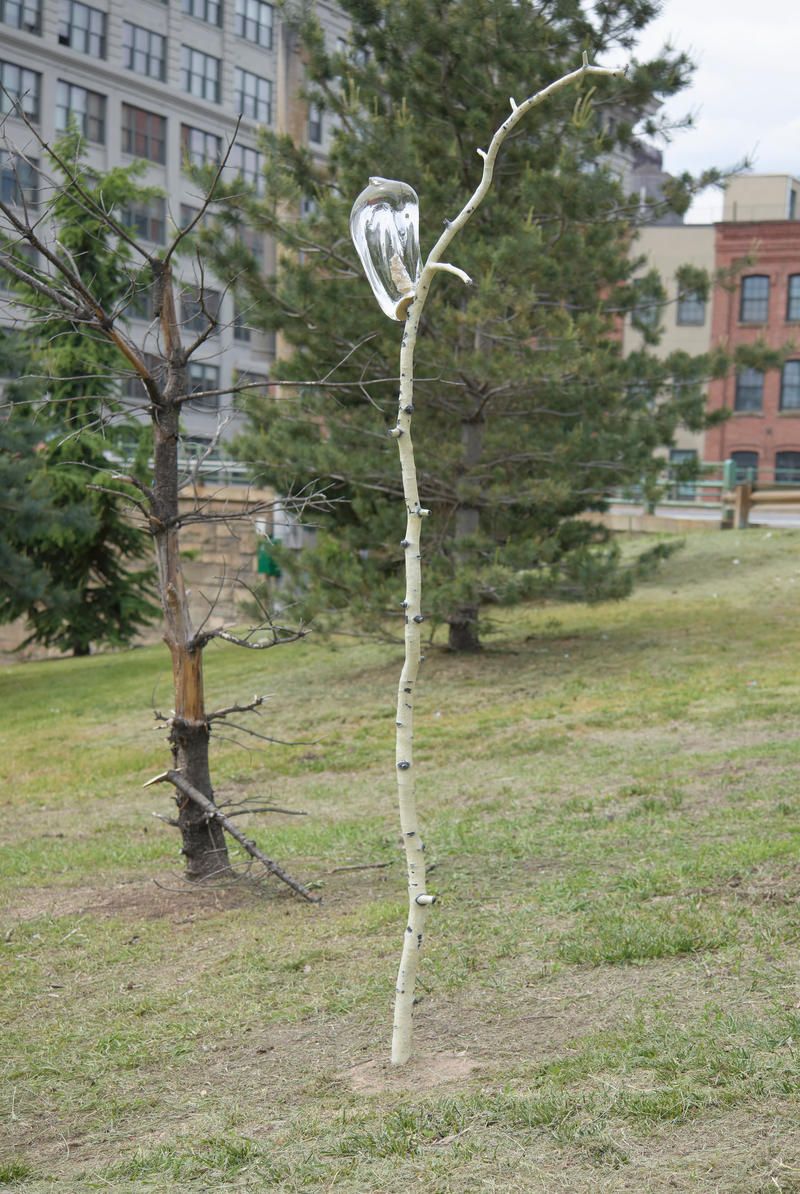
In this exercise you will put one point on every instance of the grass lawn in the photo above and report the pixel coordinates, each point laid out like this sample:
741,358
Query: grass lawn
610,995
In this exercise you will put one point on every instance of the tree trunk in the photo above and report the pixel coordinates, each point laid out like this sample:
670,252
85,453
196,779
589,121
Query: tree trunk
463,635
204,844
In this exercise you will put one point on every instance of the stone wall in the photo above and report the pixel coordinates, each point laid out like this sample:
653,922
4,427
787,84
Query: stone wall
220,553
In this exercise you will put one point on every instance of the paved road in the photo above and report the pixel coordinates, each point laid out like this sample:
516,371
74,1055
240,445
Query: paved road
787,519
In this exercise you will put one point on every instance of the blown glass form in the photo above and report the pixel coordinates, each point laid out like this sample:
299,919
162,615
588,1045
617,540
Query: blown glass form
384,225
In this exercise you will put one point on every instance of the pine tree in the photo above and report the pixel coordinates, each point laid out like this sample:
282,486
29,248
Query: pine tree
526,412
82,556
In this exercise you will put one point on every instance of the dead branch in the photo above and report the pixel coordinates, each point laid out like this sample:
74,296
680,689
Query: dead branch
279,636
265,808
268,737
207,198
219,713
176,779
122,496
359,866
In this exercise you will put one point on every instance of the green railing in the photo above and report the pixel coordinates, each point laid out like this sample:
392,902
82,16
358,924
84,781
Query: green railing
703,488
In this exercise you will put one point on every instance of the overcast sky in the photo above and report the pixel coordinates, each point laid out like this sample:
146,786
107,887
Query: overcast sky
746,90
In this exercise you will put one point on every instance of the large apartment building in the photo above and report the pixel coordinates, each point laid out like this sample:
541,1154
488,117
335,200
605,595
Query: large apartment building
163,81
754,252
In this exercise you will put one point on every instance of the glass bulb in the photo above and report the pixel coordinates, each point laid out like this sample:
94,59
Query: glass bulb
384,225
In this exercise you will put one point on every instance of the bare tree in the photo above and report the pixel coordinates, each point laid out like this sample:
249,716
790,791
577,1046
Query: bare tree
39,263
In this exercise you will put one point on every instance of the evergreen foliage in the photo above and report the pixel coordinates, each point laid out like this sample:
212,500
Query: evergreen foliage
76,572
526,412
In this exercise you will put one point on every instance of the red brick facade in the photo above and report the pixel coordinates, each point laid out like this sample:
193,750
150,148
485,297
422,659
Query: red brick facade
774,248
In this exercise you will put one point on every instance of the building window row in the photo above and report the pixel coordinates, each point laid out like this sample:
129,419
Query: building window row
787,467
690,310
83,27
755,294
145,53
143,133
749,395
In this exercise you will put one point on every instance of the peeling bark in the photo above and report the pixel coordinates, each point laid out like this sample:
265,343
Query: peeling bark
204,846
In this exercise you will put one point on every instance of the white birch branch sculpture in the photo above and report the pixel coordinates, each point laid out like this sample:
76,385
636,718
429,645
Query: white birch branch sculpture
406,299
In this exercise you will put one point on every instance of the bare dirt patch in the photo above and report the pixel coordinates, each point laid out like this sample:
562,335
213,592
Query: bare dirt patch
421,1073
151,899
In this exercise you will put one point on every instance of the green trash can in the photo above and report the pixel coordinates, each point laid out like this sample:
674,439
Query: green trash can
267,564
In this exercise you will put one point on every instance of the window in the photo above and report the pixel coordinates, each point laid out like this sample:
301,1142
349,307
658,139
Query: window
790,386
23,254
241,329
142,305
144,134
746,466
254,21
201,310
315,124
83,28
200,74
793,297
245,378
188,213
144,51
19,180
646,311
691,310
787,468
356,54
133,387
749,390
199,147
253,96
23,88
204,10
87,108
247,163
253,240
148,220
754,306
204,377
22,14
682,466
642,394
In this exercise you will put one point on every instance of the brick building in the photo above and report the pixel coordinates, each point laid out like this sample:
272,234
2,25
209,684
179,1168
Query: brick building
762,433
757,246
